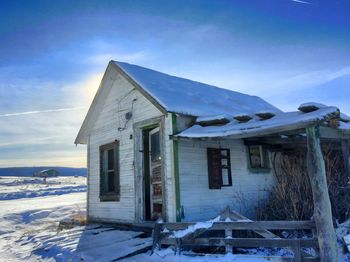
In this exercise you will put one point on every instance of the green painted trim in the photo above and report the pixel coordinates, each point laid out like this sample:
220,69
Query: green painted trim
266,158
259,170
176,170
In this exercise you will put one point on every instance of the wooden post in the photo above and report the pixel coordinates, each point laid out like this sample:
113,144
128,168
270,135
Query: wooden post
156,236
228,235
297,252
322,205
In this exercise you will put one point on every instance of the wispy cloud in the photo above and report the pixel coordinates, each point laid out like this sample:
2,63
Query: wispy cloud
301,2
134,57
42,111
310,79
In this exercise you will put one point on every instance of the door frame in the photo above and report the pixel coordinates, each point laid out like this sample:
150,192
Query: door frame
139,127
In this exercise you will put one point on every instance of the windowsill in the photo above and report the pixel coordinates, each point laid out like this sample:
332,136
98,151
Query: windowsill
111,197
261,170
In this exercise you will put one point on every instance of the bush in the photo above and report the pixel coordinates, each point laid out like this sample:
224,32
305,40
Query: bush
291,197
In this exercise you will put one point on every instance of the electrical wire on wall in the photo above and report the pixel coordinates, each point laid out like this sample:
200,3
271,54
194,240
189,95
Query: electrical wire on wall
123,119
124,116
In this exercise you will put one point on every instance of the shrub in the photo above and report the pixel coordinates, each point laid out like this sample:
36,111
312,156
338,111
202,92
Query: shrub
291,197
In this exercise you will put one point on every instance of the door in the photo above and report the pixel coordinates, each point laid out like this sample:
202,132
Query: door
155,171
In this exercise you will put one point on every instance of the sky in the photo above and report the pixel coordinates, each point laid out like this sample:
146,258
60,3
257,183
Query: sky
53,54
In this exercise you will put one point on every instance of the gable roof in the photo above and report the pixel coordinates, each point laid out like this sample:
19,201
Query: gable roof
184,96
174,94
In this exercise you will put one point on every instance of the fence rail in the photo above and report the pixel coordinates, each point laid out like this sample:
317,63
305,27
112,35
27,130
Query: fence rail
165,234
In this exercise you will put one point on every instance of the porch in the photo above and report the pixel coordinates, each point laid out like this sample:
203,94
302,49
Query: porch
305,130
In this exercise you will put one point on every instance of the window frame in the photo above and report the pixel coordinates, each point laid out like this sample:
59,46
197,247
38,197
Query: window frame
264,157
211,166
103,193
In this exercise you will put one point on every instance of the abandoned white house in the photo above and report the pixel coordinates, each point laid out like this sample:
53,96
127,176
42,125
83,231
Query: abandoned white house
164,146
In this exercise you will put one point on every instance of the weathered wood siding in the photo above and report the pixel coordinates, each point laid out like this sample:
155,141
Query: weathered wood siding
119,99
200,202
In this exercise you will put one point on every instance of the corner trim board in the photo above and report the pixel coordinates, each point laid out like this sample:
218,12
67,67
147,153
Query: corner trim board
176,170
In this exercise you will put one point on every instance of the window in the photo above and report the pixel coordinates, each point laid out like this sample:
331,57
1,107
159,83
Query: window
109,172
258,157
219,168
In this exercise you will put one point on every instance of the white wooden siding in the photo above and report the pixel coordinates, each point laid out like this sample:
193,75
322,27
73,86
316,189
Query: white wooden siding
118,101
200,202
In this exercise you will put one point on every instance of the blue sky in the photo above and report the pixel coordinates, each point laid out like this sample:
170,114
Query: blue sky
53,54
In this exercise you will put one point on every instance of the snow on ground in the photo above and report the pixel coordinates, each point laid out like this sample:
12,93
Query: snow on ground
29,187
169,256
30,212
30,230
27,209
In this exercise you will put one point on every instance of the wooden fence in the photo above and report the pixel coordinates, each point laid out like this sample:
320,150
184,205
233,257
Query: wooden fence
165,234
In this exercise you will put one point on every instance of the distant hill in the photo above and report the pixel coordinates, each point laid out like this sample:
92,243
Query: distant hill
28,171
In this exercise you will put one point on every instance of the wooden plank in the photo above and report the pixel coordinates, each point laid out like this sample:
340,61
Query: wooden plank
247,225
244,242
310,259
332,133
263,232
241,257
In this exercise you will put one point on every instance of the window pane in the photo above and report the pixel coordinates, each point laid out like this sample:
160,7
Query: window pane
224,162
105,161
104,182
109,175
224,152
155,147
111,186
111,159
214,168
255,156
225,178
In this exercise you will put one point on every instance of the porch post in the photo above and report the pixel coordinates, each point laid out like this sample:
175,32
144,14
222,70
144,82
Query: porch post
322,205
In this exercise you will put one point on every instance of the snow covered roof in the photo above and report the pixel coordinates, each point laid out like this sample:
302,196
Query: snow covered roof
184,96
255,127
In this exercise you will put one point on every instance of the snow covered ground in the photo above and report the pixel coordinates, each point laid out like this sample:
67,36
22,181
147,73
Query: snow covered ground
30,229
30,212
30,215
29,187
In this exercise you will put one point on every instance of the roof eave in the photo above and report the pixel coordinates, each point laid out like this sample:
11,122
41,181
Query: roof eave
276,129
82,137
82,134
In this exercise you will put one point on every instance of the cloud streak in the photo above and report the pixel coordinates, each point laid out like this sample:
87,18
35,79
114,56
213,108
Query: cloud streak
42,111
301,2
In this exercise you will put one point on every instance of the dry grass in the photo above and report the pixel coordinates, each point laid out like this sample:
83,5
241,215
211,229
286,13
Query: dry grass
291,197
77,218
